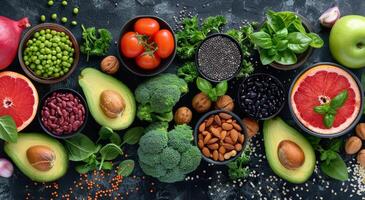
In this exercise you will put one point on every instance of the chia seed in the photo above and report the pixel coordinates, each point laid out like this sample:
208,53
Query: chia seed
219,58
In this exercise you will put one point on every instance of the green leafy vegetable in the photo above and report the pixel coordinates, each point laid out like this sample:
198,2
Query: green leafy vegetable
237,169
126,168
188,72
80,147
133,135
212,92
8,130
96,43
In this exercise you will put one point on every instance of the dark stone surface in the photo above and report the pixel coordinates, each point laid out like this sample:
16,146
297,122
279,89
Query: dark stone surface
208,181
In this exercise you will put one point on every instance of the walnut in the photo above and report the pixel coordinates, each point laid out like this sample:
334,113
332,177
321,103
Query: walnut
110,64
360,130
183,115
201,103
353,145
361,158
252,126
224,102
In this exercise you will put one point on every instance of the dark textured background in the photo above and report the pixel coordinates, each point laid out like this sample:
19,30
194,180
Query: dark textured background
209,181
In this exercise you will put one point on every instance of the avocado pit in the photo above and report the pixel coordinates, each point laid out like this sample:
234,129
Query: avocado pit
111,103
41,157
291,156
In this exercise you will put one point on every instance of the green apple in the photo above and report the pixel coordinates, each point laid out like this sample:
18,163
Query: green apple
347,41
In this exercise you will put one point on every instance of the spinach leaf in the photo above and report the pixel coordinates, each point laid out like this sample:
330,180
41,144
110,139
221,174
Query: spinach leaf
298,42
80,147
107,165
105,133
317,41
8,130
110,151
83,168
126,168
115,139
261,39
335,169
133,135
285,57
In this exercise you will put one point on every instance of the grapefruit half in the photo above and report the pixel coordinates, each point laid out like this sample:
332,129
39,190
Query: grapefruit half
319,85
18,98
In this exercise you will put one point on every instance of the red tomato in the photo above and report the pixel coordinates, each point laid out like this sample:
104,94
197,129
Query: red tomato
129,45
146,26
165,43
148,61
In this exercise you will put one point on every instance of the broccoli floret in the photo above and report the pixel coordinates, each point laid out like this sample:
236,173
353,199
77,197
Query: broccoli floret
190,159
164,117
164,98
144,112
157,126
155,171
172,176
188,72
142,94
168,79
170,158
180,137
153,142
148,158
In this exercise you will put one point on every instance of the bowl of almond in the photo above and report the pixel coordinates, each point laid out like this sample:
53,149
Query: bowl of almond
220,136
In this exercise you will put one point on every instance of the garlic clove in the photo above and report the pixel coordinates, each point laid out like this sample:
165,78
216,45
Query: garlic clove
6,168
330,16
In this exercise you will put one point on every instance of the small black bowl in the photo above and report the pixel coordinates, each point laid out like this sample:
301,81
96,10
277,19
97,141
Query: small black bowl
63,90
278,83
349,128
130,64
239,121
197,60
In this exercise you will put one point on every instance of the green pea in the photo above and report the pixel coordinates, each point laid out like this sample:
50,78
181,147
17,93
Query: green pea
37,62
49,30
43,18
64,3
36,34
54,17
64,19
74,23
50,3
38,72
75,10
42,32
53,32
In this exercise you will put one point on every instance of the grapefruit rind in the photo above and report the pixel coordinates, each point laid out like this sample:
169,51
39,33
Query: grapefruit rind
35,96
353,86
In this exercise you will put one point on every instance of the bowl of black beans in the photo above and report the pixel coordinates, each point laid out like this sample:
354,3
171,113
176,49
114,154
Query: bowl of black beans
63,113
261,96
219,57
48,53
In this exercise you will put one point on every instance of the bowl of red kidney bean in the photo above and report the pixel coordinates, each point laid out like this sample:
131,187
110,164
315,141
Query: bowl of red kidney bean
63,113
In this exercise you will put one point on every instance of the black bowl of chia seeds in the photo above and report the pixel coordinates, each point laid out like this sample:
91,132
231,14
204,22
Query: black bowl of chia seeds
219,57
261,96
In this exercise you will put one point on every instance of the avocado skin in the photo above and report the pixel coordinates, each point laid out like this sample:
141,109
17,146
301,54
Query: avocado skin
17,153
276,130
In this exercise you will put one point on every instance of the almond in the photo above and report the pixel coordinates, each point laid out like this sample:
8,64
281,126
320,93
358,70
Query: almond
236,126
228,140
223,135
213,140
200,136
207,138
215,155
241,138
229,121
222,150
227,126
228,146
200,144
220,157
238,147
209,121
230,154
205,133
202,127
215,132
213,146
217,120
206,152
234,135
225,115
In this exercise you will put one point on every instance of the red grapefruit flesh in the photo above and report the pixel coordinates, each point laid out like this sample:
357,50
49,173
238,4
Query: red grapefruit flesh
18,98
322,83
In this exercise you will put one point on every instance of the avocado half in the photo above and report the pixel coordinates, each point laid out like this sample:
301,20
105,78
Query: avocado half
18,154
93,82
276,131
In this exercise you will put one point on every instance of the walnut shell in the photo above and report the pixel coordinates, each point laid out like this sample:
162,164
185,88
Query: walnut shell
252,126
224,102
110,65
361,158
360,130
41,157
111,103
353,145
201,103
183,115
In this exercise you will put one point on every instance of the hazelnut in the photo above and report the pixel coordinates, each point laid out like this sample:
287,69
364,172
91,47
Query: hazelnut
41,157
252,126
224,102
361,158
201,103
360,130
111,103
291,156
110,65
183,115
353,145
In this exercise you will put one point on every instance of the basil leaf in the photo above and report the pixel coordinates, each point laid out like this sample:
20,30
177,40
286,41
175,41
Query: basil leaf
287,17
80,147
336,144
110,152
328,120
281,45
317,41
298,42
203,85
297,25
282,34
212,94
286,57
336,169
332,111
8,130
261,39
274,21
339,100
133,135
266,56
322,109
126,168
221,88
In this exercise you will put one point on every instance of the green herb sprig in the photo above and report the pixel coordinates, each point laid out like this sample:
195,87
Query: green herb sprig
238,169
212,92
94,155
329,110
96,43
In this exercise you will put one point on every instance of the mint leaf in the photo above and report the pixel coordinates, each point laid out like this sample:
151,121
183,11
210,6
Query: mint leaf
339,100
